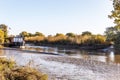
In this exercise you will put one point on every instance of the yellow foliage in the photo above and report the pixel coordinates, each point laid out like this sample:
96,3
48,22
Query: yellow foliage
35,38
1,36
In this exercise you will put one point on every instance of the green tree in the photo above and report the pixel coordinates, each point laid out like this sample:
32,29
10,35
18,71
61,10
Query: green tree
115,31
30,34
70,34
86,33
38,34
110,33
117,42
4,28
59,34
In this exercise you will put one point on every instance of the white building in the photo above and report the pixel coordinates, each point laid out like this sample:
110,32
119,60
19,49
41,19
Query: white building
18,41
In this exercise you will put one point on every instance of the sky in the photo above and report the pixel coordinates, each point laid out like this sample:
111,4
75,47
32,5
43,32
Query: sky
56,16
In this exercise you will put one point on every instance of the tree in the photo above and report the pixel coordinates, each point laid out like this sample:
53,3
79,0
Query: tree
59,38
115,13
59,34
30,34
114,32
38,34
86,33
110,33
24,34
1,37
4,27
117,42
70,34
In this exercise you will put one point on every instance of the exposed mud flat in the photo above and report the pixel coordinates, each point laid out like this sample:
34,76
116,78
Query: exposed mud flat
66,67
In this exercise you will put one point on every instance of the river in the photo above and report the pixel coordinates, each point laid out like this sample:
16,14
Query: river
71,65
99,55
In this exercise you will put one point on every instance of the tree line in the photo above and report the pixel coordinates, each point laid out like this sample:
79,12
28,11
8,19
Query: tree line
69,39
86,39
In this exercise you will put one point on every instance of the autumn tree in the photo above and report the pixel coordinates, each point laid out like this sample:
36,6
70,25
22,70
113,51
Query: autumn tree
1,37
38,34
24,34
4,28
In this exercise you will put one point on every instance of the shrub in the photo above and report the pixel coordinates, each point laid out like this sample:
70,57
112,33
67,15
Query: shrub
10,71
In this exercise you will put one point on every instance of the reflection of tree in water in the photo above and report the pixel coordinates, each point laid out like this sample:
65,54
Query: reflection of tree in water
2,52
78,53
39,49
113,57
117,57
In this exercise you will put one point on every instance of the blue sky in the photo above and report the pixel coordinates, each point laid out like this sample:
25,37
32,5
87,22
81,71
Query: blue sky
56,16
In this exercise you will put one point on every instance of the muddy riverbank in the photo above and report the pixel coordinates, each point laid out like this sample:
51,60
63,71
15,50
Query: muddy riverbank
66,67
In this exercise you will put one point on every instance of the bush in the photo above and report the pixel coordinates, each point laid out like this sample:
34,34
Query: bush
10,71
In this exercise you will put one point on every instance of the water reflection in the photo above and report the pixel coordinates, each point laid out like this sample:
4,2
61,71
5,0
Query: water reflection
112,56
108,57
93,55
1,52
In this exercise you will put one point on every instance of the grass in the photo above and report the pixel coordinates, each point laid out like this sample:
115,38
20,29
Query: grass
10,71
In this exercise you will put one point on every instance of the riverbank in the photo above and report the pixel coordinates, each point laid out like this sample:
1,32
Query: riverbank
74,46
67,67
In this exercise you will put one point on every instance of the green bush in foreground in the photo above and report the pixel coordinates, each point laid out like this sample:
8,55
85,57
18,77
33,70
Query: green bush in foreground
9,71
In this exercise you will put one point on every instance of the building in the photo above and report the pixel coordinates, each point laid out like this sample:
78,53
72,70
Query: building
17,41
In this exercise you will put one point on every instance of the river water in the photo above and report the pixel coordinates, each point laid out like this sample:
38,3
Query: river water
108,56
70,64
102,56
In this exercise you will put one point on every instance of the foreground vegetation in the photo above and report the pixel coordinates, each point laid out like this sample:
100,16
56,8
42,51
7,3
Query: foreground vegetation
9,71
113,33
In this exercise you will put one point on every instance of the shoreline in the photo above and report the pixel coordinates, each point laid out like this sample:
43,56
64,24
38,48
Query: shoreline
84,47
68,68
